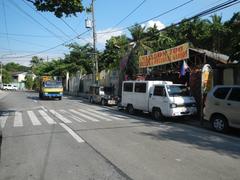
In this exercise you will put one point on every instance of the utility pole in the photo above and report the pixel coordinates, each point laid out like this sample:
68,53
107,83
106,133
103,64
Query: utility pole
94,43
1,72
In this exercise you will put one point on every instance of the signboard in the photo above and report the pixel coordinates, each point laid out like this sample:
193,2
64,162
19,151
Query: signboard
167,56
207,78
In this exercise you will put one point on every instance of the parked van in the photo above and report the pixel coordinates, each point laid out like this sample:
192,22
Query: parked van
161,98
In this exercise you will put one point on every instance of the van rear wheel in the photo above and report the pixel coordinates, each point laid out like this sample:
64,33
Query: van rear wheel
130,109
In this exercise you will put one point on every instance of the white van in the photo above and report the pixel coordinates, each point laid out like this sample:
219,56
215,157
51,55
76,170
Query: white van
161,98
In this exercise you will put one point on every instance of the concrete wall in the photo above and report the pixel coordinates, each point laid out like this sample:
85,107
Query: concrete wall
228,77
79,85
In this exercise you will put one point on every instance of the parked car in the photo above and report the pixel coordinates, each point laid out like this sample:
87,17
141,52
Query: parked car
15,88
102,95
222,107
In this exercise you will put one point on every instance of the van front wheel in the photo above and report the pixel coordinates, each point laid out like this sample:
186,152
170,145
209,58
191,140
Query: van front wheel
157,115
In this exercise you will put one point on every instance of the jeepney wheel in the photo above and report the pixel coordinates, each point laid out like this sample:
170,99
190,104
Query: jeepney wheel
103,102
157,114
60,98
130,109
40,95
91,100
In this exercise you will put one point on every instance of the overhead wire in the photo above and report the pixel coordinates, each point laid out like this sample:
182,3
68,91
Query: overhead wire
214,9
164,13
47,20
49,49
123,19
28,35
134,10
36,21
70,27
5,22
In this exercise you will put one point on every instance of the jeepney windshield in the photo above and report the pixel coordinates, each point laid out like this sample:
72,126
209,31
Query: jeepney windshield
174,90
52,84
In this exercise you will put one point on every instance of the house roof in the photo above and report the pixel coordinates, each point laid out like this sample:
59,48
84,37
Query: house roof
18,73
216,56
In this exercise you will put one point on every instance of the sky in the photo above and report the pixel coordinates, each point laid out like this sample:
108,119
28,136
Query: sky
26,32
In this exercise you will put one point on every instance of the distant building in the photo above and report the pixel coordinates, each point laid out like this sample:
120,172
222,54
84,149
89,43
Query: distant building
19,79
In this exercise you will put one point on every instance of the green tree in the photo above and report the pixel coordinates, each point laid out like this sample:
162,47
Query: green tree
141,45
232,42
115,49
35,61
59,7
29,81
7,78
15,67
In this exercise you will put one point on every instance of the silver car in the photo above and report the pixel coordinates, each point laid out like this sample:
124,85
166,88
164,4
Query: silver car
222,107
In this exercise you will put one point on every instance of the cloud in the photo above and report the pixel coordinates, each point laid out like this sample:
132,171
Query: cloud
104,35
151,23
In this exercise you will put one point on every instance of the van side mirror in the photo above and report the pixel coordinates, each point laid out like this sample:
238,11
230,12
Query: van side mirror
150,95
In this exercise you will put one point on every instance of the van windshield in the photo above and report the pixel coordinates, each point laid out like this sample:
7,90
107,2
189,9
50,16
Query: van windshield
178,91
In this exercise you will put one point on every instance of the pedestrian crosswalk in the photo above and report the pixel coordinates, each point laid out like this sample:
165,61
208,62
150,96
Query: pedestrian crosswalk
39,117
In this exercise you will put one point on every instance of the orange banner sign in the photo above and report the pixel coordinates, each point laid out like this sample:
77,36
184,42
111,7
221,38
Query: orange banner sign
167,56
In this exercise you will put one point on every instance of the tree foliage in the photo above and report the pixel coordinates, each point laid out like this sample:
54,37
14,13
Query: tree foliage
59,7
29,81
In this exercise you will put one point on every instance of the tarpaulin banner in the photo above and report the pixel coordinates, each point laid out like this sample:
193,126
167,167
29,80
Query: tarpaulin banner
167,56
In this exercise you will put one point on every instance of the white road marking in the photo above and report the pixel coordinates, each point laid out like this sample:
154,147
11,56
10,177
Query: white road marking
93,114
33,118
59,116
46,117
3,120
43,108
72,116
83,115
35,101
18,120
72,133
106,115
179,160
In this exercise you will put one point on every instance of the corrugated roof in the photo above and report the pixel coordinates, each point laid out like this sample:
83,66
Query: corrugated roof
216,56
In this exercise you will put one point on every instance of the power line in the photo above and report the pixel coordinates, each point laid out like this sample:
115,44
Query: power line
28,35
70,27
214,9
36,21
33,54
47,19
164,13
27,42
135,9
5,22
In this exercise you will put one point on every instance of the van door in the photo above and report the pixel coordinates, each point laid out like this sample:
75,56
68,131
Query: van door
158,98
233,104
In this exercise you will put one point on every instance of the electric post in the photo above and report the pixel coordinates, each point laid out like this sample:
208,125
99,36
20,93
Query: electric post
94,44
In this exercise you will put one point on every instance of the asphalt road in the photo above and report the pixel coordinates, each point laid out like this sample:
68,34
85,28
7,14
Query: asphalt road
74,140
